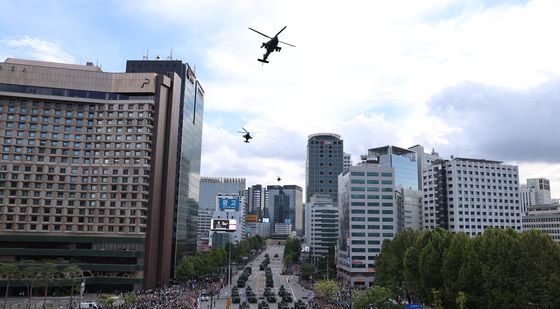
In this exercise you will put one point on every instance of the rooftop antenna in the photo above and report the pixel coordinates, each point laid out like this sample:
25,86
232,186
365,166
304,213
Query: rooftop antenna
170,54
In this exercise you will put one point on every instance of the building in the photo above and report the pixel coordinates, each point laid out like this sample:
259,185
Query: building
346,161
544,218
189,147
229,206
402,160
535,192
284,204
210,188
470,195
87,173
325,161
321,226
412,208
256,200
423,159
368,210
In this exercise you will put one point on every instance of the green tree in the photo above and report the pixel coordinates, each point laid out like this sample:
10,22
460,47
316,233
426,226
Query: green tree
326,289
186,269
452,263
306,271
436,299
30,274
461,300
377,295
45,277
10,272
105,300
72,274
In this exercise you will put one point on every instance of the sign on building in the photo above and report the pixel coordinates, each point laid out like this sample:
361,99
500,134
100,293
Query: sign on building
228,203
226,225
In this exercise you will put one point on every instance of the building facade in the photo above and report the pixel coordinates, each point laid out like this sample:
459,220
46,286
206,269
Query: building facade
87,172
347,161
368,210
189,144
535,192
210,188
423,159
227,210
402,160
321,226
412,208
543,218
470,195
284,204
325,161
256,201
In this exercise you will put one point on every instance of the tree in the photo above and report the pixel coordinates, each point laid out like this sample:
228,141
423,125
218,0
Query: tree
10,272
30,274
45,276
105,300
452,263
326,289
71,273
306,271
436,299
377,295
461,300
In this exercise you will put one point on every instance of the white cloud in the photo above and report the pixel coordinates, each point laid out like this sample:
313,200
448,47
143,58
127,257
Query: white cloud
28,47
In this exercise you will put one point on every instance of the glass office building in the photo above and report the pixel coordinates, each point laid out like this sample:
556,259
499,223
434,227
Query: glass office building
402,160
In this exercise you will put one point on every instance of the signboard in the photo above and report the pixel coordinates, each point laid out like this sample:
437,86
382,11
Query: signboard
228,203
251,218
226,225
412,306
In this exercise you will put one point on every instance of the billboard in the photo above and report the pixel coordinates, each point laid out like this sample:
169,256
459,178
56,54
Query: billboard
226,225
228,203
251,218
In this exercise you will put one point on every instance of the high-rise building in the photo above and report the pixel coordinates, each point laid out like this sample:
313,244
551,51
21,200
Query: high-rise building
189,145
423,159
321,226
412,208
256,201
230,207
284,204
544,218
210,188
402,160
470,195
87,172
325,161
347,161
368,210
535,192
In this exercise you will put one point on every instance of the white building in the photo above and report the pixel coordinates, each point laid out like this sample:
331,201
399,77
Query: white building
423,160
321,224
470,195
544,218
230,207
368,211
535,192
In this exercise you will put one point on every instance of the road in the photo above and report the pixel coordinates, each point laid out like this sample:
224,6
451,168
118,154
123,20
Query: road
257,281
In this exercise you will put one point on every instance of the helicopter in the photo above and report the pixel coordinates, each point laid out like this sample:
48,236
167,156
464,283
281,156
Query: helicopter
246,135
271,45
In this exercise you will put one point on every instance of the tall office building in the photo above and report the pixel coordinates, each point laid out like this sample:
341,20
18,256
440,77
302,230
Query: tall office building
368,210
402,160
535,192
325,161
470,195
423,159
411,207
256,200
87,172
321,226
346,162
189,145
210,188
284,204
229,206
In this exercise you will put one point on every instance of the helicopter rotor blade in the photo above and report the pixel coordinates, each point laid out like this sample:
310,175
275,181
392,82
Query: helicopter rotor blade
260,33
281,30
286,43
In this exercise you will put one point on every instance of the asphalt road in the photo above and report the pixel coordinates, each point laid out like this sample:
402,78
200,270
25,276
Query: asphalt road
257,282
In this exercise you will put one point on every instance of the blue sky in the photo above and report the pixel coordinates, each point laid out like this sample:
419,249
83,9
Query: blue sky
378,73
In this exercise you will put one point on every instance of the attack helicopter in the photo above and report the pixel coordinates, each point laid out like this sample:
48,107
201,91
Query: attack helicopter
271,45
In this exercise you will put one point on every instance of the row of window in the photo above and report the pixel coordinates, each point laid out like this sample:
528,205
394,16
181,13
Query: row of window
74,228
70,211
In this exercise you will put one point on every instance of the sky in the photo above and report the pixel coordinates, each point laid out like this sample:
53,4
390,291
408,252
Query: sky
475,79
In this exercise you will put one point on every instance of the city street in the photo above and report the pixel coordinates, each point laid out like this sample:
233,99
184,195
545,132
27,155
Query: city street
257,282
